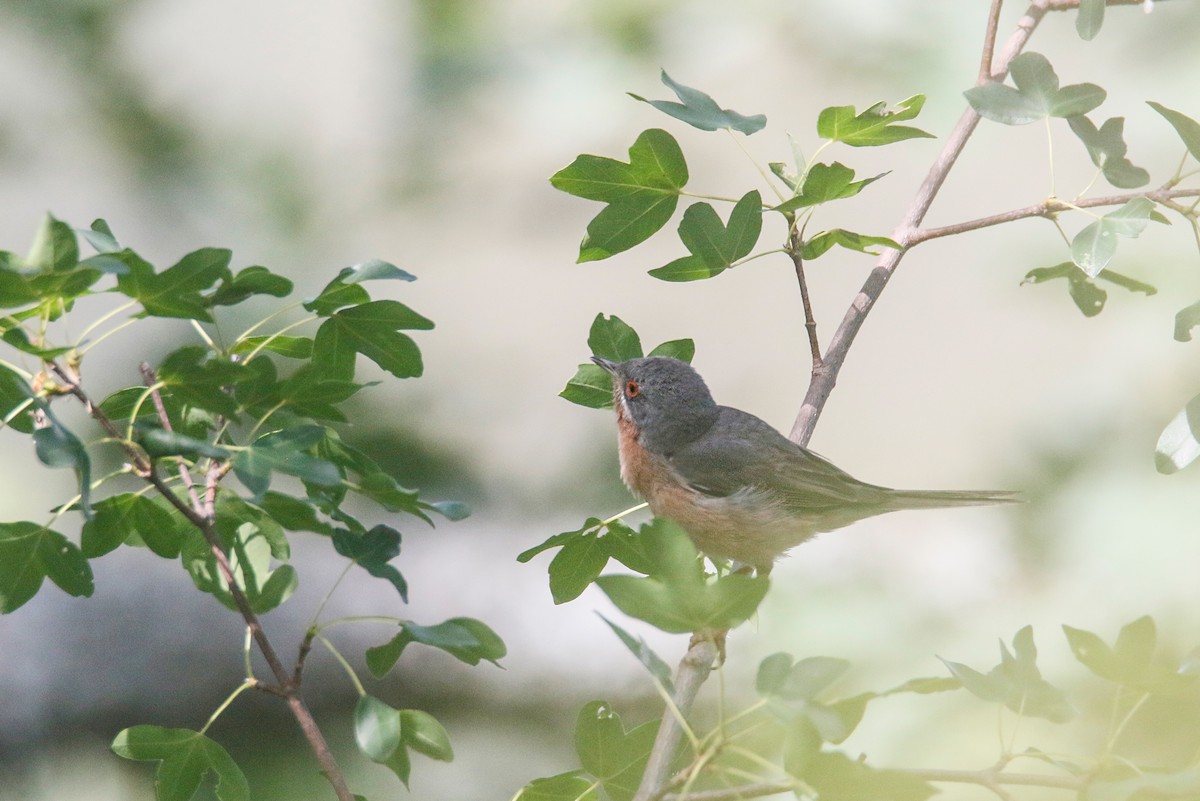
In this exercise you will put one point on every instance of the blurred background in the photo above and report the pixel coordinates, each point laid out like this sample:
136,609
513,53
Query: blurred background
308,136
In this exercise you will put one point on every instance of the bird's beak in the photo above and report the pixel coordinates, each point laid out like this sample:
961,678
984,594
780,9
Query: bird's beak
610,366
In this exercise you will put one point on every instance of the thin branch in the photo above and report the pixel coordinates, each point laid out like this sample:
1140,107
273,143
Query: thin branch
733,793
146,470
689,677
810,321
824,378
150,379
993,780
1047,208
989,41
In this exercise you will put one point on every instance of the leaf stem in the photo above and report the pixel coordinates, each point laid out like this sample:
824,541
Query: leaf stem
346,665
620,515
766,176
102,319
106,335
825,377
278,333
321,607
241,688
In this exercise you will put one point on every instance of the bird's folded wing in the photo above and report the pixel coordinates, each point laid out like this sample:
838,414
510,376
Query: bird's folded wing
742,452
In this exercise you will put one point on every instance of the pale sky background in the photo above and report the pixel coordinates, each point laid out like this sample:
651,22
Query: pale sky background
307,136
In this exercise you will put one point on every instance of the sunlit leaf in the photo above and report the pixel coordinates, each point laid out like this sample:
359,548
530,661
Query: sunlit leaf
641,195
873,127
1179,444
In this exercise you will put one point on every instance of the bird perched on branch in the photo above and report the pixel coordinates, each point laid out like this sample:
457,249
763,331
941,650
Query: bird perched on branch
740,489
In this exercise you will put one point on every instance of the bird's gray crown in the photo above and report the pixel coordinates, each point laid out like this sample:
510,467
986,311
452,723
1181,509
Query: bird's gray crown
671,405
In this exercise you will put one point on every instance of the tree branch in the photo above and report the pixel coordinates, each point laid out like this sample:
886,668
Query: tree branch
693,670
993,780
810,321
733,793
824,377
1048,208
689,677
204,523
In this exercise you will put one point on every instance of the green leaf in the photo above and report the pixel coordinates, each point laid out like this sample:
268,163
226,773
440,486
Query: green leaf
376,728
30,553
293,514
372,329
685,268
613,338
175,292
291,347
1016,682
101,237
158,442
1179,444
637,646
65,285
570,786
1184,784
17,401
641,195
1093,247
464,638
15,289
678,598
575,566
591,386
185,757
1186,319
559,540
1037,94
383,489
284,451
714,246
372,551
875,126
423,734
54,247
682,349
610,753
130,515
1106,147
1089,19
836,777
1088,297
253,538
198,377
1187,128
802,681
247,283
57,447
818,244
20,340
700,111
343,290
824,183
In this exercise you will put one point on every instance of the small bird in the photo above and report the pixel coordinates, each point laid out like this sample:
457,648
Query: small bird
740,489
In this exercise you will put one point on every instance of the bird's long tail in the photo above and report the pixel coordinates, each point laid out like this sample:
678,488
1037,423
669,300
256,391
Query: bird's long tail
938,499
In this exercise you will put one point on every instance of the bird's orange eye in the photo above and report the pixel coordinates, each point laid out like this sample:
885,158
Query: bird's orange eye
632,390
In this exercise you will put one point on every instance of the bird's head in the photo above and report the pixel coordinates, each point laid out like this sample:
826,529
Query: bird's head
666,400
